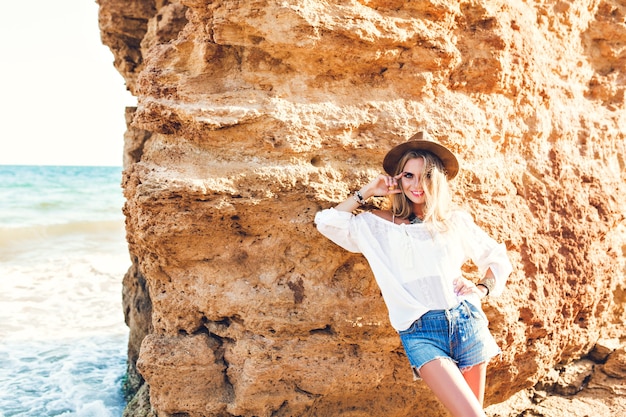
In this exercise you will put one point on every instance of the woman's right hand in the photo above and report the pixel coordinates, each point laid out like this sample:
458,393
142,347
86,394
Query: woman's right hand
382,185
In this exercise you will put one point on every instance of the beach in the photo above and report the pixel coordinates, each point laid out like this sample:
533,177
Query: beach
62,259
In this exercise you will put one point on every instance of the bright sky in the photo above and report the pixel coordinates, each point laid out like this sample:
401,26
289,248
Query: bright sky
62,101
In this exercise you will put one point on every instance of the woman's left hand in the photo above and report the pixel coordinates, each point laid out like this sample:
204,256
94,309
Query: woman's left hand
463,286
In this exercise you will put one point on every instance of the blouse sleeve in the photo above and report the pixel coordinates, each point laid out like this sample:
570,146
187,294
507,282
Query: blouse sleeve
335,225
486,253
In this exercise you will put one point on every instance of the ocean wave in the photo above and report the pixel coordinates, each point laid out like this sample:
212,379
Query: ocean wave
10,236
79,378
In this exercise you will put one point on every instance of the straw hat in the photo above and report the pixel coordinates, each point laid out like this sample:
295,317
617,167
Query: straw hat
418,143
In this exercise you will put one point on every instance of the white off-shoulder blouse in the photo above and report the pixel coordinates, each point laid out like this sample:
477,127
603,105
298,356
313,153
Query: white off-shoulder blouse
414,266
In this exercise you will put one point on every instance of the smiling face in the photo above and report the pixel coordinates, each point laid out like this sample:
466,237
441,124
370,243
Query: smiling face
411,181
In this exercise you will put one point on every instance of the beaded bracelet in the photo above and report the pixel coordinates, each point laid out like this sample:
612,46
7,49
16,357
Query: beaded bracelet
358,197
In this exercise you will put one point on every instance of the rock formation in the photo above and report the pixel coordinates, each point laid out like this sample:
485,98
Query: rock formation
253,115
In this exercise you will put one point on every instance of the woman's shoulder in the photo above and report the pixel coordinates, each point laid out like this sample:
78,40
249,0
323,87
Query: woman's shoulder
388,216
383,214
461,218
462,215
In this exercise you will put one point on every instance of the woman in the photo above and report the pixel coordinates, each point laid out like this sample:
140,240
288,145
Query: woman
416,249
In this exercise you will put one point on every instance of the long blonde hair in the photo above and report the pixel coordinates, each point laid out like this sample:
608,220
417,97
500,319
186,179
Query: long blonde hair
436,189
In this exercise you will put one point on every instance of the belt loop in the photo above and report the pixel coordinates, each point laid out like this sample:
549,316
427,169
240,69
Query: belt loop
466,308
451,322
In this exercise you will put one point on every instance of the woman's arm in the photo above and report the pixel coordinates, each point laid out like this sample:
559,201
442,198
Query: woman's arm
382,185
463,286
487,254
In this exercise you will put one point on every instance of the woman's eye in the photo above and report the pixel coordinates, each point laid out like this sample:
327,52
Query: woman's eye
407,175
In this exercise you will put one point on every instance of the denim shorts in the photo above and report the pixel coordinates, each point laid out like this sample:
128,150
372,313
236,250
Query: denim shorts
460,334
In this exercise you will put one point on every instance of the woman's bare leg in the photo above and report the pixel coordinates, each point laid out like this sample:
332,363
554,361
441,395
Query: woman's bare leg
475,377
447,383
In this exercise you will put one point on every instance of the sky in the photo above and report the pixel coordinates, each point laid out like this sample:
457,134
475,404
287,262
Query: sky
62,100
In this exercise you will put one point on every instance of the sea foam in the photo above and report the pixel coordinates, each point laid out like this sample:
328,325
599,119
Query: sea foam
63,257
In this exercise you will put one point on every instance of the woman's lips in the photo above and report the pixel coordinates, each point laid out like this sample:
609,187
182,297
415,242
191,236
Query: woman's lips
417,193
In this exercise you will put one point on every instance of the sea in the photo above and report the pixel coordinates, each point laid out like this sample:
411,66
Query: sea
63,256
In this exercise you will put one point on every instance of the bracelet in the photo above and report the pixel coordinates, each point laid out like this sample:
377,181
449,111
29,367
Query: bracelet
488,283
483,285
358,197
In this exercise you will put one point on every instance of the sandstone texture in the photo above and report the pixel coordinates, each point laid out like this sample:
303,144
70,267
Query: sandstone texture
253,115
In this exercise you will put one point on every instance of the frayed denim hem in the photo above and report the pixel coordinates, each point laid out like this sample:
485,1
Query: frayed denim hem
416,370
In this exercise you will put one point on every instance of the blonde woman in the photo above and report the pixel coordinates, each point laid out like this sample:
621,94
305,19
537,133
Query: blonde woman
416,249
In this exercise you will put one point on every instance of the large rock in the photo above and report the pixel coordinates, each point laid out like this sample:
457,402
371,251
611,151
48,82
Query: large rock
252,116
